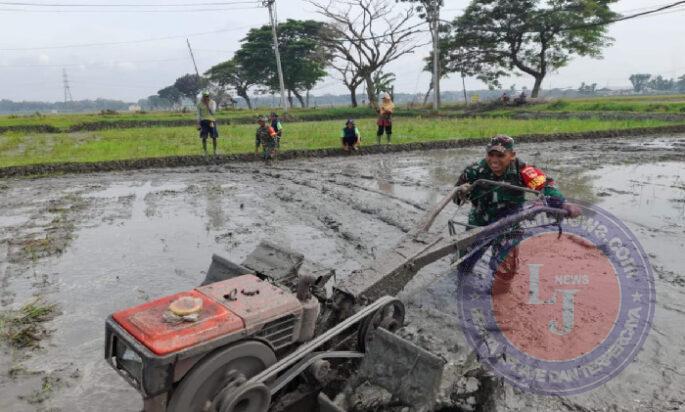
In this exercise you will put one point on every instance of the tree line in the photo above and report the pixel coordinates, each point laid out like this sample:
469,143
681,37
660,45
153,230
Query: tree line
644,82
357,39
8,106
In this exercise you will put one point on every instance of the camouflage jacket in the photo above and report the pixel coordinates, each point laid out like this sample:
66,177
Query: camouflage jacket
265,137
491,204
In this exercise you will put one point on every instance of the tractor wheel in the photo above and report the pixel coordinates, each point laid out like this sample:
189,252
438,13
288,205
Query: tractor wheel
218,375
390,317
255,397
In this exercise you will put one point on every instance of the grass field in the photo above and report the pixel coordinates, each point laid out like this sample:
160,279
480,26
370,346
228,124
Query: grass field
674,104
65,121
117,144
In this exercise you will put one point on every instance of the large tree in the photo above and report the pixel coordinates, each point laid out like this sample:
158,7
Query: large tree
640,81
303,56
367,34
190,85
661,84
171,94
587,89
534,37
155,102
350,77
234,75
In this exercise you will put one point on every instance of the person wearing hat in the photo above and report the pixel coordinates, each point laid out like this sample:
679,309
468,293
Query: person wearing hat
266,138
490,204
385,118
206,121
350,136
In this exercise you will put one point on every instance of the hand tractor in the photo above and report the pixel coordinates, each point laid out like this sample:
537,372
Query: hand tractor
258,332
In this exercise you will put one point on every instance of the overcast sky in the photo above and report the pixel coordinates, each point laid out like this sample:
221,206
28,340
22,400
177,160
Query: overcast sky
32,57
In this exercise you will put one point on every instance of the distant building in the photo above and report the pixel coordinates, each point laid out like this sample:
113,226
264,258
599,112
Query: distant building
134,108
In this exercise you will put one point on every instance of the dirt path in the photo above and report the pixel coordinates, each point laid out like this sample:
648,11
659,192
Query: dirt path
97,243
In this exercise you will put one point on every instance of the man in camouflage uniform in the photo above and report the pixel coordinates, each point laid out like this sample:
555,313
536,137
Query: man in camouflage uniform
493,203
266,138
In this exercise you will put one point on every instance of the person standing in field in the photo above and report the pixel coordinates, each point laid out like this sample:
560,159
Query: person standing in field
206,121
385,118
350,136
266,138
278,128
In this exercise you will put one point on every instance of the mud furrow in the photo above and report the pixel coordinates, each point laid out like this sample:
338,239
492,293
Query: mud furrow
347,201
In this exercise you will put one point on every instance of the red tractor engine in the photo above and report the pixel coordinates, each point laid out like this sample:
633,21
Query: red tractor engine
180,366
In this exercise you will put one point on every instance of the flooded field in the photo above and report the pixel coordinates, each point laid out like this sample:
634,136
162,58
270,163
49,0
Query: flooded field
94,244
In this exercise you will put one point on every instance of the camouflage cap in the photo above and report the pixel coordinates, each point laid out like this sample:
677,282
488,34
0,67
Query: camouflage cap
205,93
262,119
500,143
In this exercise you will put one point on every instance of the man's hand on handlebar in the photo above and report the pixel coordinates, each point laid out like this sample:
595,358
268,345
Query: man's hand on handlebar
463,193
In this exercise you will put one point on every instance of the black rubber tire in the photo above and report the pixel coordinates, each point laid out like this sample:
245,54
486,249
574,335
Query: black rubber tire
204,381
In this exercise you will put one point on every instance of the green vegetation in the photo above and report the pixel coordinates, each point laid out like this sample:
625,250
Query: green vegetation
137,135
49,384
118,144
64,122
674,104
492,39
24,328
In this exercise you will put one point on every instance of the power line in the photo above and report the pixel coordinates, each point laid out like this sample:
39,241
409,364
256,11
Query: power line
26,66
638,9
117,43
92,5
659,10
115,85
381,36
624,18
12,10
633,16
663,13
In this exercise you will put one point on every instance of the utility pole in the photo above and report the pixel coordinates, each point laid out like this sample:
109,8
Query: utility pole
435,22
67,89
463,85
190,49
270,5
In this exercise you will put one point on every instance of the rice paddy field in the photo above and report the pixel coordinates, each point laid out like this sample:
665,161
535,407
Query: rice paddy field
117,144
118,136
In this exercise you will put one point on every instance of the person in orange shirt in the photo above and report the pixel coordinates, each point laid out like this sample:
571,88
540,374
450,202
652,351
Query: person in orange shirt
266,137
385,118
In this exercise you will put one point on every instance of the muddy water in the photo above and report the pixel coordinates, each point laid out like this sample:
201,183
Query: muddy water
94,244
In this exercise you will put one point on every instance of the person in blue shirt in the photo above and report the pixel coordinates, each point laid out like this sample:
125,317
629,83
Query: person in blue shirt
350,136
